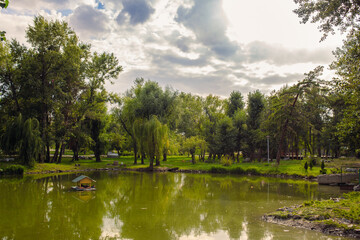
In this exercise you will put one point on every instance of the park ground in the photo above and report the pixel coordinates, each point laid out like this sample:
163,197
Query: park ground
289,168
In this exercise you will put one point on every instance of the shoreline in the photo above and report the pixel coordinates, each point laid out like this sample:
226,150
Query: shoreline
296,221
334,216
173,170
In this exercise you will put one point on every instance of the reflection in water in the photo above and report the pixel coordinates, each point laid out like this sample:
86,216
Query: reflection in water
152,206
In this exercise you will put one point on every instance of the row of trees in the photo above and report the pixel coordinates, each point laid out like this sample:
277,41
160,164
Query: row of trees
53,96
57,85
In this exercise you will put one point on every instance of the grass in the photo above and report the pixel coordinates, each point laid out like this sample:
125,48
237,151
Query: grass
342,212
288,167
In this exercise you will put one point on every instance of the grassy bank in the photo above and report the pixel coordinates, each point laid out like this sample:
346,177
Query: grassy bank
339,216
288,167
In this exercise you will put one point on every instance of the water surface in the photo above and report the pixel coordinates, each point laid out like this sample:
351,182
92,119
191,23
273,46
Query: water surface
153,207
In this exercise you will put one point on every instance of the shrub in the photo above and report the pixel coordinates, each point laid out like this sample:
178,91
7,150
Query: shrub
218,169
226,161
237,170
313,161
306,166
311,164
252,171
323,170
14,170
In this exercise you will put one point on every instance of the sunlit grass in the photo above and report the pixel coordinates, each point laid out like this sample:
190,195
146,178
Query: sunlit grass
288,167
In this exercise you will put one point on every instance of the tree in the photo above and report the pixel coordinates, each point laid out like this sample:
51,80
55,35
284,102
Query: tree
102,67
192,144
25,136
341,14
152,136
310,80
51,63
225,137
234,103
213,108
256,105
190,114
239,123
3,4
144,101
347,85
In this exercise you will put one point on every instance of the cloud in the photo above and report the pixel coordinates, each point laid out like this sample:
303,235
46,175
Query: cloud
208,21
274,54
89,22
168,57
276,79
33,7
135,11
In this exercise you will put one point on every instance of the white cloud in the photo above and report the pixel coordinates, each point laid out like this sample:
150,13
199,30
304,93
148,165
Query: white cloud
199,46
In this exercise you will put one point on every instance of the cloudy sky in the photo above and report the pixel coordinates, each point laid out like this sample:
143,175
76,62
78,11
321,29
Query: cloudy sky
198,46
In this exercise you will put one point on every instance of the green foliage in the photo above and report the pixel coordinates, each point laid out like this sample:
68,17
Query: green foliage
322,165
151,135
3,4
342,14
218,169
234,103
237,170
25,136
194,144
226,161
14,170
225,136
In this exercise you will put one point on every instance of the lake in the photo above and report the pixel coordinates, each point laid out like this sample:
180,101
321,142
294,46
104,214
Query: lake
132,205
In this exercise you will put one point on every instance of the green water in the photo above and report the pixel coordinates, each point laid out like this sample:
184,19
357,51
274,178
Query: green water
152,206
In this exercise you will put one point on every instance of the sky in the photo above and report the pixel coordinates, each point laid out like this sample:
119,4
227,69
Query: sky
198,46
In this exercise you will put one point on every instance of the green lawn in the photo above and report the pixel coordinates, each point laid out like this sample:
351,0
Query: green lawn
288,167
343,213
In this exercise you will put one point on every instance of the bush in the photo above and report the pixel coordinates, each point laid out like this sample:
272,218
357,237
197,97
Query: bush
313,161
226,161
219,169
237,170
306,166
323,170
252,171
14,170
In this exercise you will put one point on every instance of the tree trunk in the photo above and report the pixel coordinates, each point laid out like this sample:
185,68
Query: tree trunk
47,159
76,153
157,161
143,156
193,158
135,152
164,157
151,166
56,153
61,152
284,130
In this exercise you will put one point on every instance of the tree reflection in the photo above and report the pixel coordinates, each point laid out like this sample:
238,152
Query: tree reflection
145,206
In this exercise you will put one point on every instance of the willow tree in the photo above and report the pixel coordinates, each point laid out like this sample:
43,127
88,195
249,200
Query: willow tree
23,136
152,136
194,143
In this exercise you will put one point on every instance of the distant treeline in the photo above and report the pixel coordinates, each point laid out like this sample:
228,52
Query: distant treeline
53,97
